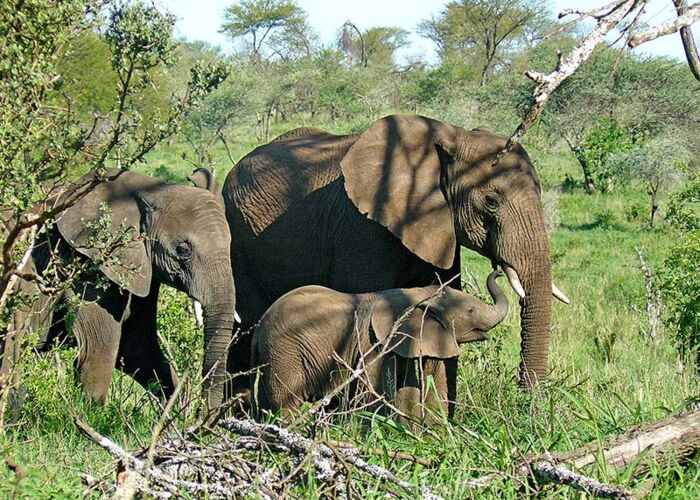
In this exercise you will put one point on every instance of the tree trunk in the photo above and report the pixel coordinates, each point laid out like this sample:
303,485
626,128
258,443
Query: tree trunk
654,208
587,177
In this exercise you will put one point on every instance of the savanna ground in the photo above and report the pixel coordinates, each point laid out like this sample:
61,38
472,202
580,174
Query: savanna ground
606,374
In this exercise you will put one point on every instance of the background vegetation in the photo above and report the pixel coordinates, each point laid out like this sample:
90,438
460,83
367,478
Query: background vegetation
616,152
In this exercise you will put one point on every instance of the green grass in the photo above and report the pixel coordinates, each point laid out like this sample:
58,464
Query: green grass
606,376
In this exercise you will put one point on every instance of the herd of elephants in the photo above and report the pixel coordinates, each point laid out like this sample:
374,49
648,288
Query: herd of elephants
321,251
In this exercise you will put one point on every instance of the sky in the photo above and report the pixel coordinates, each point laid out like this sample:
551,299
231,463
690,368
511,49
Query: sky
201,20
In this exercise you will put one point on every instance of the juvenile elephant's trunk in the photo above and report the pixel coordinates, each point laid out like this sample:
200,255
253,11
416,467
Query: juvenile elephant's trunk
218,303
499,310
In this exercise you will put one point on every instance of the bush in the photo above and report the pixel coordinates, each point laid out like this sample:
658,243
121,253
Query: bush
604,219
681,271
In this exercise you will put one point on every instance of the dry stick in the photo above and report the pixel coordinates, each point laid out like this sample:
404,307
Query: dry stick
323,455
14,279
398,455
140,468
566,66
652,296
546,471
160,425
690,16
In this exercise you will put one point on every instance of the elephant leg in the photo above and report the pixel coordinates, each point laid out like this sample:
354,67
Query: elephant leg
140,354
97,328
444,373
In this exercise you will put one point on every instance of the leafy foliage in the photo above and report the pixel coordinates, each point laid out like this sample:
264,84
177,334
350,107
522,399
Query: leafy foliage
657,164
485,32
606,139
681,272
259,18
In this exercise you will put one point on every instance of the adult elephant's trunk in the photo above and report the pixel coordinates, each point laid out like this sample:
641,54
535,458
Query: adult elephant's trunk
218,302
499,310
529,270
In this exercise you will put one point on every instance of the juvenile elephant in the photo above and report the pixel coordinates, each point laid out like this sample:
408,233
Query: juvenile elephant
387,208
177,235
299,336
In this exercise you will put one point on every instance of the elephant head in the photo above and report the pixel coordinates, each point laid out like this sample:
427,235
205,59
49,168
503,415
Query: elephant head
441,320
178,236
435,187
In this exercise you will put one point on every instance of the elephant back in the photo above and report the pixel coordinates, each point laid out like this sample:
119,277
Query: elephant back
278,176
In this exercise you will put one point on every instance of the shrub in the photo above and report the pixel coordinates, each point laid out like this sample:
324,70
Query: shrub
604,219
680,284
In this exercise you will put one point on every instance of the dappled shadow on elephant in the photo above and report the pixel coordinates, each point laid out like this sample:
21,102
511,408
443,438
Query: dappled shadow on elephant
385,208
368,349
127,237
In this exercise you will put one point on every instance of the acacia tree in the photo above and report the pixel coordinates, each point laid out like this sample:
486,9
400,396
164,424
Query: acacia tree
657,165
485,31
376,45
258,19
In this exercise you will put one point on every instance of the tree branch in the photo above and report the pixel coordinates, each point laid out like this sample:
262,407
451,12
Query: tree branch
546,84
691,51
691,15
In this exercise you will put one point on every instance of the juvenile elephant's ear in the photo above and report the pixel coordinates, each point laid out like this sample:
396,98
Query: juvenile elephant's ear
203,178
129,267
420,334
393,174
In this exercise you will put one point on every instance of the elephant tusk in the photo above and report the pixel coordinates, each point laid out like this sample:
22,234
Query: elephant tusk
559,294
198,313
514,280
236,317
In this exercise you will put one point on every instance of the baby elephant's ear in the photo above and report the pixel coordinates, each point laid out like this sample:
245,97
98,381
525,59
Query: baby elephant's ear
419,334
203,178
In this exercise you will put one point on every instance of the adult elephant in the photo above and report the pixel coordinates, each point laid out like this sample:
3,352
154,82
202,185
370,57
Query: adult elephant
175,235
389,208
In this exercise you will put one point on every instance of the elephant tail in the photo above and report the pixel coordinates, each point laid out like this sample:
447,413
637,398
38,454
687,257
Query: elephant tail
363,321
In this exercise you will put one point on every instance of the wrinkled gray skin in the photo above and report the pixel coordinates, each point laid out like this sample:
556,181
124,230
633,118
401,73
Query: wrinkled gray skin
389,207
186,246
295,343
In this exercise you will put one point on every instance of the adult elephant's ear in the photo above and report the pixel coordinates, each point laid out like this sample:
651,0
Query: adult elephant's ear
115,200
203,178
393,174
419,334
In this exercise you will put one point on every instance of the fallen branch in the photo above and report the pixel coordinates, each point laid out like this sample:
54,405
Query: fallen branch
323,457
672,439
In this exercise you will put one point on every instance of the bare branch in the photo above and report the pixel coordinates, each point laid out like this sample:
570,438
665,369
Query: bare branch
691,15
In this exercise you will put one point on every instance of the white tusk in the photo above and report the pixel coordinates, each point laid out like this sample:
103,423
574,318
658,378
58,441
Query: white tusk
198,313
559,294
236,317
514,280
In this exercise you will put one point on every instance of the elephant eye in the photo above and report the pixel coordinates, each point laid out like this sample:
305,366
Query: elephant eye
183,250
492,201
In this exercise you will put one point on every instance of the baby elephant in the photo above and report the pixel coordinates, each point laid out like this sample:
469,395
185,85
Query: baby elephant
309,341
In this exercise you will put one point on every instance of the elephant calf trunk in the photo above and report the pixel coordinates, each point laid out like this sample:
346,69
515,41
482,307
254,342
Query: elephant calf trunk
499,310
